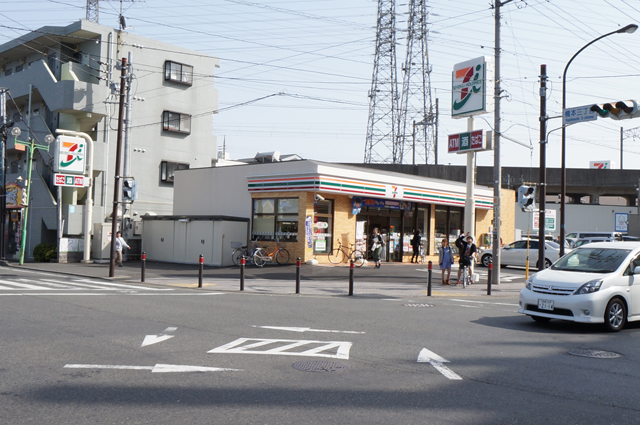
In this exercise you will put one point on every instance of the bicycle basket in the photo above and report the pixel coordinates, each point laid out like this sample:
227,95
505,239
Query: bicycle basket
236,245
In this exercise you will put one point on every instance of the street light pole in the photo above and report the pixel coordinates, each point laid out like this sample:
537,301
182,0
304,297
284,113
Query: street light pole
32,146
631,28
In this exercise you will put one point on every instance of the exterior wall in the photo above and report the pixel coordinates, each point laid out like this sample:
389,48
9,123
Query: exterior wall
583,217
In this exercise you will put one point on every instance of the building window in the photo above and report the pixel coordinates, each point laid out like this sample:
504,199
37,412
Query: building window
178,73
174,121
275,219
168,169
322,225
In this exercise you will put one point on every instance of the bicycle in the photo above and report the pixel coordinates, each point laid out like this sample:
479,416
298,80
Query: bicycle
247,251
339,255
262,256
465,277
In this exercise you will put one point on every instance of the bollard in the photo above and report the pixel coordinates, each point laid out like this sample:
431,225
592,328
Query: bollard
298,263
201,272
429,279
489,278
243,261
351,278
143,266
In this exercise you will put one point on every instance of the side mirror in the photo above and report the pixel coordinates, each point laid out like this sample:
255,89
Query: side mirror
636,270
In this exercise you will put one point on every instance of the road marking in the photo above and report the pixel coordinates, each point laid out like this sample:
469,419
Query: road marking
154,339
436,361
48,284
159,368
484,302
17,286
318,347
294,329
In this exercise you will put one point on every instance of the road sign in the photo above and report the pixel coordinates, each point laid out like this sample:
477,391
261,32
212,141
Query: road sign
579,114
70,180
549,221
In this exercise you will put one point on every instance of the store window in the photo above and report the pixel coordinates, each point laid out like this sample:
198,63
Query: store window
322,225
275,219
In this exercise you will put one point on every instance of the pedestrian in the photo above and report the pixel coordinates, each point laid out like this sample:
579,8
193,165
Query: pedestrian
415,245
445,260
120,244
468,257
377,244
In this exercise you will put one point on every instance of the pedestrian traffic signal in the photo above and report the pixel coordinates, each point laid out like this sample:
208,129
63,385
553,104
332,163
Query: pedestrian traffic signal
619,110
526,198
129,189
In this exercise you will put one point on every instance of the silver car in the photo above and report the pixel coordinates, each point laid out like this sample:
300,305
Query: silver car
515,254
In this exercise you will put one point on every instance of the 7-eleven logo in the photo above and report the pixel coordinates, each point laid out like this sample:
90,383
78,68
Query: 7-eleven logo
71,155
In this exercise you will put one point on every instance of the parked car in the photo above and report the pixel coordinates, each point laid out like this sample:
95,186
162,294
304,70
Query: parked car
585,241
595,283
515,254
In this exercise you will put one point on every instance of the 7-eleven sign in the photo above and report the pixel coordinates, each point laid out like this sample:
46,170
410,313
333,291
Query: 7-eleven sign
70,157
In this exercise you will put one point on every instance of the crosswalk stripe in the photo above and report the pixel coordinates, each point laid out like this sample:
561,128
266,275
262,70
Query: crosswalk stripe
73,285
16,286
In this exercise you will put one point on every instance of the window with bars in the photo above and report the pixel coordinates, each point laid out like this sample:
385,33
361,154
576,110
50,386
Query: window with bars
178,73
176,122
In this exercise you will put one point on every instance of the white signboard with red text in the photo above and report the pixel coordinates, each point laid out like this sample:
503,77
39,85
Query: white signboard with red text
70,180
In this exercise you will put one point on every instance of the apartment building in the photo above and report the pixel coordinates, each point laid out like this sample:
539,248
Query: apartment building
68,78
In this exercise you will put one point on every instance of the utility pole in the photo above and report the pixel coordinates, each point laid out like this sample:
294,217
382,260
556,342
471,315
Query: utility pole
542,191
3,152
127,137
497,170
117,176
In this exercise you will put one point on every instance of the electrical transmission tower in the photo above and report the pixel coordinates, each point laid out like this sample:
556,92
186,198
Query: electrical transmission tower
92,11
416,118
381,145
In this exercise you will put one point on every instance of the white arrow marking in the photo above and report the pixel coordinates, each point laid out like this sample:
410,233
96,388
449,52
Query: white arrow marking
159,368
436,361
154,339
293,329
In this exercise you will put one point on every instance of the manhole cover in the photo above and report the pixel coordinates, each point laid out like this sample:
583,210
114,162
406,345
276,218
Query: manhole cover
319,366
594,354
418,305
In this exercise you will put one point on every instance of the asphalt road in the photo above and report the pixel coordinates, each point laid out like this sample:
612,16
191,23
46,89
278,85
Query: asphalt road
109,353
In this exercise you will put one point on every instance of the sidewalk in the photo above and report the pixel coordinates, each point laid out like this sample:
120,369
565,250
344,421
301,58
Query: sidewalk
394,280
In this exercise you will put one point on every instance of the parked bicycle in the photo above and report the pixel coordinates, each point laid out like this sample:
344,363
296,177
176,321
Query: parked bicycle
465,278
262,256
246,251
342,254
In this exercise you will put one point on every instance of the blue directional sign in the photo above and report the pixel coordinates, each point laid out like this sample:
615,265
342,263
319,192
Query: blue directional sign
578,114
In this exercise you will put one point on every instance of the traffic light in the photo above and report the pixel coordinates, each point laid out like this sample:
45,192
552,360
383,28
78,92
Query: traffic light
527,198
619,110
129,189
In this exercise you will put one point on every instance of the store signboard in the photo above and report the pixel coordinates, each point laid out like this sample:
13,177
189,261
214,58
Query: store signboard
469,87
70,180
470,141
387,203
71,154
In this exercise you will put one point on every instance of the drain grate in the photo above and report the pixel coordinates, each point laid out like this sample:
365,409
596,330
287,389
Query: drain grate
594,354
418,305
319,366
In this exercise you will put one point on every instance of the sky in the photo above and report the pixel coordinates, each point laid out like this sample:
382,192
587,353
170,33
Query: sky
295,75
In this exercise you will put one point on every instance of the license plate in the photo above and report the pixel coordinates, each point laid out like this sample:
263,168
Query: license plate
545,304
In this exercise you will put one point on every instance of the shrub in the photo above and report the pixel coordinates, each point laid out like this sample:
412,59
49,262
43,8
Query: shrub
45,252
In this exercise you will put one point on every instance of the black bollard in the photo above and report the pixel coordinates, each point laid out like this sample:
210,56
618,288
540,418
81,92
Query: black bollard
489,278
143,266
298,263
243,261
201,272
429,279
351,278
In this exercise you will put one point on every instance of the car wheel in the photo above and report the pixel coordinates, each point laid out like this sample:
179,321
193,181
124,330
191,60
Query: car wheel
486,260
540,319
547,263
615,316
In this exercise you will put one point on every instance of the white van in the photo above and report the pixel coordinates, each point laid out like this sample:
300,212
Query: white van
574,236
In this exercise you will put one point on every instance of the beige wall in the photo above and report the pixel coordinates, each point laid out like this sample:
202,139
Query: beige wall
344,222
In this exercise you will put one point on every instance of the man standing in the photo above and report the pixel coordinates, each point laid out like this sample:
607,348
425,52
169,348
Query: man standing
120,244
